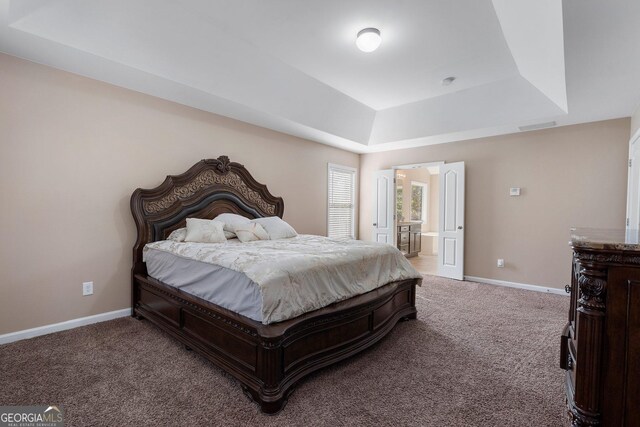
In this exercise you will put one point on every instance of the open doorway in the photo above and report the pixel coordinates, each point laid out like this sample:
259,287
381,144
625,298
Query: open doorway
417,215
429,226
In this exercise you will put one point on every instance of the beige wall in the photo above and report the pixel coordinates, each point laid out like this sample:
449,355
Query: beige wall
570,176
72,152
635,121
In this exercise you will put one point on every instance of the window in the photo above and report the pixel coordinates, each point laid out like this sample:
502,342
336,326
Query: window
342,206
419,195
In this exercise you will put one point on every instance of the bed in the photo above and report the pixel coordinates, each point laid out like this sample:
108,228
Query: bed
267,359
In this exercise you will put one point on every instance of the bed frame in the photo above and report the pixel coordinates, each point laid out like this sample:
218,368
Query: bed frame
268,360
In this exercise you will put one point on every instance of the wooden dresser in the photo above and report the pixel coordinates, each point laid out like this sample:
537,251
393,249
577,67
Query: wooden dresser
409,238
600,346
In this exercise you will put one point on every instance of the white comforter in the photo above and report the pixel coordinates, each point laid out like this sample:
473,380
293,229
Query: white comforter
303,273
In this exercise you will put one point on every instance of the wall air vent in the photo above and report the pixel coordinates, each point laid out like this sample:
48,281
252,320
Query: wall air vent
537,126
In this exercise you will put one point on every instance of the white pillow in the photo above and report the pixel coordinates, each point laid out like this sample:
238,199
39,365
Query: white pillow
231,221
251,232
204,231
276,228
179,235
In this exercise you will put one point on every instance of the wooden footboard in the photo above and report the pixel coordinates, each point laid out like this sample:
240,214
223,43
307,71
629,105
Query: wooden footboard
269,360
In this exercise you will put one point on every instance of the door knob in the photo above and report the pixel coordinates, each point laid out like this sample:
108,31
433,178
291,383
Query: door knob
459,227
375,224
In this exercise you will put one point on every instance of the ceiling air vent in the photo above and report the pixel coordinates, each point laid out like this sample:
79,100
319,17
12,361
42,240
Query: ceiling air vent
537,126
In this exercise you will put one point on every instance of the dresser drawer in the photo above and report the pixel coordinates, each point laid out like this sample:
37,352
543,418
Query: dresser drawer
416,228
404,238
403,228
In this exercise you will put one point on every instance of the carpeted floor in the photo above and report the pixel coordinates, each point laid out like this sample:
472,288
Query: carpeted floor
478,355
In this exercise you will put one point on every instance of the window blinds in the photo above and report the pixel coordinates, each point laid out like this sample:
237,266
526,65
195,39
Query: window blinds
341,222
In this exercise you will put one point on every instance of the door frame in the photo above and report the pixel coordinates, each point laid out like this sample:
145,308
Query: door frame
418,165
632,187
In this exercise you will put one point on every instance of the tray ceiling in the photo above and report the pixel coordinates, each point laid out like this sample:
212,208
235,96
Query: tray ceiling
293,66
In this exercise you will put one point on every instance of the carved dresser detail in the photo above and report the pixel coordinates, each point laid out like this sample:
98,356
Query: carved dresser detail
600,346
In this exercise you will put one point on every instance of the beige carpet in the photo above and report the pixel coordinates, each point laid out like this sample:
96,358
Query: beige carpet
478,355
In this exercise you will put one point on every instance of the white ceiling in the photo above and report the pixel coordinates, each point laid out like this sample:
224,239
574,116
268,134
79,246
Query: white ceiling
293,66
424,42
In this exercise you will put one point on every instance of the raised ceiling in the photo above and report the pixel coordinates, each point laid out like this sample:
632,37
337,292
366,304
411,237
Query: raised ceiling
424,42
293,66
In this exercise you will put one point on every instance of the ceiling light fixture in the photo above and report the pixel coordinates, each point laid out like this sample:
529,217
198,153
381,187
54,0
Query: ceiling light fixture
368,39
448,81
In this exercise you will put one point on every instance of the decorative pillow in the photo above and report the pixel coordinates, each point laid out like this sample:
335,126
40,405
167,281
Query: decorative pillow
231,221
276,228
204,231
251,232
178,235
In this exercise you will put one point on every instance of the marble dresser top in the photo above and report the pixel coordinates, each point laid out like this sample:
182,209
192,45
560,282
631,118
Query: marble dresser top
606,239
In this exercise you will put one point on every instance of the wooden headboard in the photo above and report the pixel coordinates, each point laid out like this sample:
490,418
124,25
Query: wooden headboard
207,189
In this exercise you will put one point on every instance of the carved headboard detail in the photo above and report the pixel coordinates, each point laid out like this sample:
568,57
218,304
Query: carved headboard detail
207,189
205,179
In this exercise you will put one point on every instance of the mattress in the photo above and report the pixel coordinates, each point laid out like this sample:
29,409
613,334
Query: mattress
222,286
275,280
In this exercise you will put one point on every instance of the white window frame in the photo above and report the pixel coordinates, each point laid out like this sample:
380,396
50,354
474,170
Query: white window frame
354,171
425,199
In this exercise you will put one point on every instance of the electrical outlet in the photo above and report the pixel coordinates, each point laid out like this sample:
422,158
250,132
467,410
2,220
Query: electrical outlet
87,288
500,263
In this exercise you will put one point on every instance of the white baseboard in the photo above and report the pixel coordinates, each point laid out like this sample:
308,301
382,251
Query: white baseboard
63,326
516,285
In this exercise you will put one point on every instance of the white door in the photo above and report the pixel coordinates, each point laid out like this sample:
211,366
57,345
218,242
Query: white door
451,224
384,206
633,186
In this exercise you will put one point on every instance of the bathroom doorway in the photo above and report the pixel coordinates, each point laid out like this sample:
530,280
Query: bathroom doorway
420,209
417,215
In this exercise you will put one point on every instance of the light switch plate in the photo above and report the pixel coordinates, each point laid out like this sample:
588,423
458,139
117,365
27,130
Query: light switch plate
514,191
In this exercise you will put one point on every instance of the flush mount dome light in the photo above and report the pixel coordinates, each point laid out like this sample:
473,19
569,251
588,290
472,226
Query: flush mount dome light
368,39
